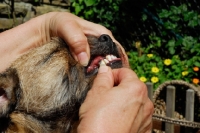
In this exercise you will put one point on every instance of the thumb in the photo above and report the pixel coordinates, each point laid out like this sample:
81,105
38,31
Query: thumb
104,79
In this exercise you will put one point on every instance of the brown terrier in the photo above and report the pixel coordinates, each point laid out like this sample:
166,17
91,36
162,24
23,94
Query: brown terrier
42,91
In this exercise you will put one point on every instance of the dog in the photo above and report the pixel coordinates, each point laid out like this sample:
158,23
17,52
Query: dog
42,91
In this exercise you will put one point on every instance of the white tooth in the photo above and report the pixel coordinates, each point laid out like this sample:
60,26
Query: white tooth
108,57
102,63
113,57
106,61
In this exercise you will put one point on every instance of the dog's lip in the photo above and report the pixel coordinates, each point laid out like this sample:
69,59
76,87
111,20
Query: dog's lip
95,62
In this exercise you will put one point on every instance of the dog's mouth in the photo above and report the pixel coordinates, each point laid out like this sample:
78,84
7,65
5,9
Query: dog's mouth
108,60
103,51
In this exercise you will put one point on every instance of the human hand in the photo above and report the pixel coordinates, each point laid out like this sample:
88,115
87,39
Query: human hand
73,30
38,31
124,108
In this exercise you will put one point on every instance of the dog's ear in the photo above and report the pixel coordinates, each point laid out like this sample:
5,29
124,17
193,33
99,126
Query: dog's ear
8,89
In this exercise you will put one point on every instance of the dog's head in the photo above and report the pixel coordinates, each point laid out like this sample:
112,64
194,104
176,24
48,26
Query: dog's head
43,90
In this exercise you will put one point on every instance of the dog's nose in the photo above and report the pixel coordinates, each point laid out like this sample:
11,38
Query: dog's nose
107,41
105,38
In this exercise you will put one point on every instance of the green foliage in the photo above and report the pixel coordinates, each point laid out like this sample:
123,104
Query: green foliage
179,14
104,12
174,57
168,68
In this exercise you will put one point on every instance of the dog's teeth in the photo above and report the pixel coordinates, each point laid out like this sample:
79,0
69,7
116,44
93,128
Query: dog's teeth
113,57
102,63
106,61
108,57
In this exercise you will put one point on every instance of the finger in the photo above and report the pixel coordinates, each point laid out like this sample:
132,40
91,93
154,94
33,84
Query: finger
77,42
72,33
124,75
127,79
104,79
97,30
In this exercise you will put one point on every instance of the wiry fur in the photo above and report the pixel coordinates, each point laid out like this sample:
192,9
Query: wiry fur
43,90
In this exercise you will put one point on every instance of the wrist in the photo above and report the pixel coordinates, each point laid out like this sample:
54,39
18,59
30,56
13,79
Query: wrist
104,122
17,41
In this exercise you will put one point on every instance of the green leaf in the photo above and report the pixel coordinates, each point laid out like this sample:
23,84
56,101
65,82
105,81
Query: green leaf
178,42
189,62
88,13
197,64
171,43
77,9
188,15
167,69
89,2
164,13
183,7
116,8
193,23
175,18
189,41
144,17
174,66
142,59
170,25
175,10
171,50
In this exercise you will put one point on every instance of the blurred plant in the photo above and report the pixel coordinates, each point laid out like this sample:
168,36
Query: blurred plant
119,16
157,69
104,12
176,36
169,58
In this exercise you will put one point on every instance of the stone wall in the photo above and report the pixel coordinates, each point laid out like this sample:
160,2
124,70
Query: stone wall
24,11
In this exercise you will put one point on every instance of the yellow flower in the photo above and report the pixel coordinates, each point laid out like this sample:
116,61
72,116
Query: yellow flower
154,69
150,55
184,73
143,79
167,62
154,79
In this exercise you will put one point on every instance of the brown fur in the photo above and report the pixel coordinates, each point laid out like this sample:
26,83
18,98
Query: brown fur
44,88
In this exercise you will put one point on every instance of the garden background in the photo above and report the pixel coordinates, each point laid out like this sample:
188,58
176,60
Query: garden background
161,37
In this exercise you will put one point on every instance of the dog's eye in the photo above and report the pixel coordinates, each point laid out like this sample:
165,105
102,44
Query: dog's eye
2,92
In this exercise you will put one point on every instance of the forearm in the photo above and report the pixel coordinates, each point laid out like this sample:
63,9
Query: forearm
19,40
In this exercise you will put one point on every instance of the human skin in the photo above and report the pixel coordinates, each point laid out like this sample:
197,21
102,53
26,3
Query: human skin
121,105
38,31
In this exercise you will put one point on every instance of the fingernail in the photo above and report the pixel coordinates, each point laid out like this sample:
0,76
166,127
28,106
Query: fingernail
103,69
83,58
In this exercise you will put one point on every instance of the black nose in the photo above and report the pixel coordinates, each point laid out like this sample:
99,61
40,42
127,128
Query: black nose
105,38
107,43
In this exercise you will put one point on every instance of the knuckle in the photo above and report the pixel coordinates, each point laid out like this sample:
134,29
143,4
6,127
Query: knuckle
149,108
101,87
78,44
98,89
104,30
78,40
108,32
139,88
